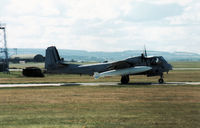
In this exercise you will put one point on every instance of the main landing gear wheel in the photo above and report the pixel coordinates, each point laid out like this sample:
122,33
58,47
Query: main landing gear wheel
161,81
125,79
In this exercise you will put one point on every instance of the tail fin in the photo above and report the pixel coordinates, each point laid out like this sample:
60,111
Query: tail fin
52,57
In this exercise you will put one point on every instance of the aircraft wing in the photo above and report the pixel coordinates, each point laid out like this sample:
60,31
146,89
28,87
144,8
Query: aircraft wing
121,72
121,68
120,65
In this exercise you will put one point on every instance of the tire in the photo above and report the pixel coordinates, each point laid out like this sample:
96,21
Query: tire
161,81
125,79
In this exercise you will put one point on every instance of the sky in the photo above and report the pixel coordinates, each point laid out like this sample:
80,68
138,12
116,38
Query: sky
103,25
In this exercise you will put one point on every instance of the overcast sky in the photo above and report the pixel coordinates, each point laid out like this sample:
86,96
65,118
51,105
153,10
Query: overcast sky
103,25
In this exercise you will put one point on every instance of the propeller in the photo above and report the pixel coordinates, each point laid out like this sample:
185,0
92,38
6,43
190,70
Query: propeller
145,52
144,55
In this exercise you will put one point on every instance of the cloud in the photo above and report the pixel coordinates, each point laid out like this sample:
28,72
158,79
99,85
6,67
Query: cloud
97,9
144,12
103,25
164,2
190,16
32,7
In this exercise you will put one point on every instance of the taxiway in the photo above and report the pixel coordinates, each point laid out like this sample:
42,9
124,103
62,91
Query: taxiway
94,84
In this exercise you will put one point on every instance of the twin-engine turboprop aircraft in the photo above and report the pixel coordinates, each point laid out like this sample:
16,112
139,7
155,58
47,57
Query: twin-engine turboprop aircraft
140,65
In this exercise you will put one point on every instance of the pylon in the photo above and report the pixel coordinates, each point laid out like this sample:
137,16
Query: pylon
3,49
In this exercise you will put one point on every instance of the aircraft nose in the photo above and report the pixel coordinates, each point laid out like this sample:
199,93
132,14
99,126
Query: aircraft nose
170,67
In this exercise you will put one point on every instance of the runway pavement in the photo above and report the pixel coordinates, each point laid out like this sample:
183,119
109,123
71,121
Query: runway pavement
94,84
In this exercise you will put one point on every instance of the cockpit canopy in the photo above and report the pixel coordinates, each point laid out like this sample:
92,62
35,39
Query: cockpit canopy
156,60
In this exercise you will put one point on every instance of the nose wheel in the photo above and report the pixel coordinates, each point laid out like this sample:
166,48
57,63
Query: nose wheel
125,79
161,80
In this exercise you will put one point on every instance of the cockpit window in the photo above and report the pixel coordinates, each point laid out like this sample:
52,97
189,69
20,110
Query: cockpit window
162,59
157,60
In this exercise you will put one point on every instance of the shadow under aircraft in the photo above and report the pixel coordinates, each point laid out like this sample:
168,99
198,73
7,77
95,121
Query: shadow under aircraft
139,65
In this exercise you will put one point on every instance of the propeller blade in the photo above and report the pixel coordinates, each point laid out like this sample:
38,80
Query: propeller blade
144,56
145,51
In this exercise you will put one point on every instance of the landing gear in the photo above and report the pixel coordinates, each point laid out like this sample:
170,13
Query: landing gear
161,80
125,79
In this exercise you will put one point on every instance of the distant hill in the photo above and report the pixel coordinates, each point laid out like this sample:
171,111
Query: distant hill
81,55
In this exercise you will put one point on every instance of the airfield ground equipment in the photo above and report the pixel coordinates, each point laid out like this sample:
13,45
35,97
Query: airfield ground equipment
32,72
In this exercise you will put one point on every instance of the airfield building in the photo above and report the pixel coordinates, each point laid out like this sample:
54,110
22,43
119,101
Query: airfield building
27,58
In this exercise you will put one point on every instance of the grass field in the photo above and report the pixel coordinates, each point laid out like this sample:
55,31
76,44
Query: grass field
132,106
173,76
193,64
100,107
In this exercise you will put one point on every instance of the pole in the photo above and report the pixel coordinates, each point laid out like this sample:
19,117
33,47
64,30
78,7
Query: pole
5,47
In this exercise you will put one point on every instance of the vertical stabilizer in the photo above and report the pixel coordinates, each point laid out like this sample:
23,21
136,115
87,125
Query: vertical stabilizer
52,57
